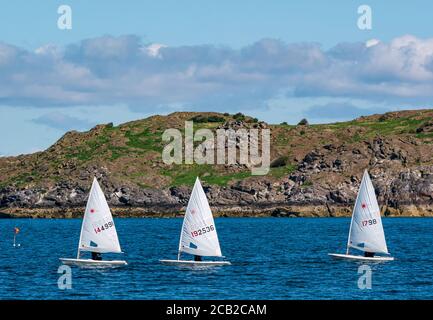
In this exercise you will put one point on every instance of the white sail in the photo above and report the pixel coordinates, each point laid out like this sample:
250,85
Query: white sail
199,236
366,230
98,233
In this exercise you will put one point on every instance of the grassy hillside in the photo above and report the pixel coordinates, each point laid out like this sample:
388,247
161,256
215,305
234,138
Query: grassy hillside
130,154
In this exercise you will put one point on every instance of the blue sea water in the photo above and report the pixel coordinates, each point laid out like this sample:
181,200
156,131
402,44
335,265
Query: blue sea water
272,258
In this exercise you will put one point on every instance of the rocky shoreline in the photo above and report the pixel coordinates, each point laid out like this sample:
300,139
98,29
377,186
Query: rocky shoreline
406,194
306,211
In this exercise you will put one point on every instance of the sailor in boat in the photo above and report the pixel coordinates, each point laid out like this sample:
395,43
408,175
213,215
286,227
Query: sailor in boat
96,256
197,258
368,254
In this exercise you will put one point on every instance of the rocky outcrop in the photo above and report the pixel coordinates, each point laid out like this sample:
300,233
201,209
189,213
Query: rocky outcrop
409,193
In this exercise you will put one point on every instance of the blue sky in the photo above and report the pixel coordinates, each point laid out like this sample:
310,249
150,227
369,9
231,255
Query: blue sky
32,23
277,60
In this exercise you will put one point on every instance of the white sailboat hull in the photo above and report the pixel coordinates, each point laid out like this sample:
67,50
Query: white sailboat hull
93,263
192,263
360,258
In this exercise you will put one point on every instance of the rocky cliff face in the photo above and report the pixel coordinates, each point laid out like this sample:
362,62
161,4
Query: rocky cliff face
316,170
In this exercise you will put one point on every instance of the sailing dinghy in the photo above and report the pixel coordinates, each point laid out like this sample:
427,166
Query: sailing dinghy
198,236
366,231
98,233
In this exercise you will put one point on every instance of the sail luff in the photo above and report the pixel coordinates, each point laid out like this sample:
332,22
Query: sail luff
353,213
179,251
184,221
92,189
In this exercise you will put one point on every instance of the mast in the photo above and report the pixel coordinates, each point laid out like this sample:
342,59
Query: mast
81,234
82,222
79,241
180,238
353,212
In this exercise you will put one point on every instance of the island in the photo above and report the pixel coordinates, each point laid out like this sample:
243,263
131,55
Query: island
315,169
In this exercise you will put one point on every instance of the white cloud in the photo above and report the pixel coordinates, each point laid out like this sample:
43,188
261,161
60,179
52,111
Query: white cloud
111,70
153,49
48,49
371,42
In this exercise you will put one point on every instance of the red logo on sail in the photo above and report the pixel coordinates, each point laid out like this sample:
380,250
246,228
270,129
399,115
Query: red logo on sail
363,206
92,210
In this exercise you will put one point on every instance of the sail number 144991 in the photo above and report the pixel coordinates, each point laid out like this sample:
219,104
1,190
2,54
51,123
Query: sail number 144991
104,227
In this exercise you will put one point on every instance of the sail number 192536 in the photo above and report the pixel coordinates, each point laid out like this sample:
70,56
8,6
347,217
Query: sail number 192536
369,222
202,231
103,227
